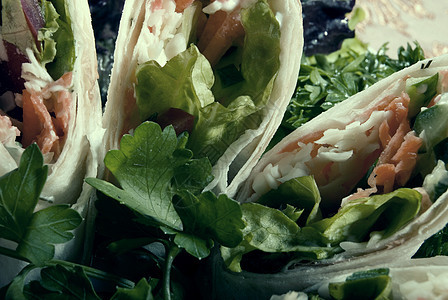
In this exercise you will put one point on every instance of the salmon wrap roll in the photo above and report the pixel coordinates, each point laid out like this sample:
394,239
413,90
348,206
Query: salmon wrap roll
223,71
50,97
362,184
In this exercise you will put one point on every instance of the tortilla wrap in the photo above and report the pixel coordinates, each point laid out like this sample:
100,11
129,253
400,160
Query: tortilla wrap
398,247
136,44
423,278
82,152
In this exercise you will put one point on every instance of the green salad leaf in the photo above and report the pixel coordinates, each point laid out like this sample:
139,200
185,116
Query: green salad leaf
273,231
384,214
160,180
64,41
46,34
184,83
49,226
371,284
301,192
208,215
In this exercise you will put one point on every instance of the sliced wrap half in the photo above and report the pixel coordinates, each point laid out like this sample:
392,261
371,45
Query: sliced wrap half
222,70
50,96
362,184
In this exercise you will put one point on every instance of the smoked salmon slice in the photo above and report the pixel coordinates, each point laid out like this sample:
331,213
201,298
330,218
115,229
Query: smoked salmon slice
221,31
46,115
400,146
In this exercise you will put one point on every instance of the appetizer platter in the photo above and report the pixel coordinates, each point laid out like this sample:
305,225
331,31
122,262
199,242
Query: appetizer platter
252,149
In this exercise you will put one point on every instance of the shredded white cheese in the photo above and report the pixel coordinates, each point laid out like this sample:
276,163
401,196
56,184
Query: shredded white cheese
345,148
435,287
35,75
226,5
159,39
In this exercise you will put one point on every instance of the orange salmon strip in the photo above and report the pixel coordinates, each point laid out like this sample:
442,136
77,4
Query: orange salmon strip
45,121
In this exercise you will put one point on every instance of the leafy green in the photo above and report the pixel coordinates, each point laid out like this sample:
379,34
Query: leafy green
326,80
36,233
371,284
47,227
162,185
299,192
210,216
142,291
421,91
65,55
435,245
46,34
58,281
184,83
144,166
431,125
19,192
152,168
272,231
385,214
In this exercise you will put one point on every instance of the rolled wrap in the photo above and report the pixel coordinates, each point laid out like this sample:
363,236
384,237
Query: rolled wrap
138,40
82,152
423,278
327,130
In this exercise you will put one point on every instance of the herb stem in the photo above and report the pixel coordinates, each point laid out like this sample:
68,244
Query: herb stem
92,272
173,251
12,253
95,273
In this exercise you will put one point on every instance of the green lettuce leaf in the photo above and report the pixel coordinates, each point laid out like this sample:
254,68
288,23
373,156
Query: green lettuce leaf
45,35
64,40
270,230
384,214
184,83
301,193
273,231
209,216
371,284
